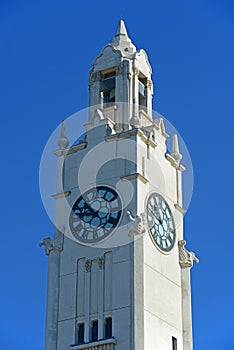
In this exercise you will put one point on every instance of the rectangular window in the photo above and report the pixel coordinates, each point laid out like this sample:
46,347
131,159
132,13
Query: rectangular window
95,330
174,343
108,88
142,92
108,328
81,333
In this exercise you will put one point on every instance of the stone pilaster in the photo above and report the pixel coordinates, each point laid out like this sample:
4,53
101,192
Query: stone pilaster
186,262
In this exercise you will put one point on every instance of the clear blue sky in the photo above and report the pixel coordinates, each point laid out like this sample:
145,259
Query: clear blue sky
47,49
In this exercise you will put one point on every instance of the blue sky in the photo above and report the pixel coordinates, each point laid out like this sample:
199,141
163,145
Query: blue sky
47,49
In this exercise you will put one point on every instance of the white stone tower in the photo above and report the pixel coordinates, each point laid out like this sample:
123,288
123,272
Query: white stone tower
122,279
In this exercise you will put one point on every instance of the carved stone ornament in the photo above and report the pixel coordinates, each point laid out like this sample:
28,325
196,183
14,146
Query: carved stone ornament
149,84
136,71
101,263
139,225
51,245
186,258
88,265
119,69
94,76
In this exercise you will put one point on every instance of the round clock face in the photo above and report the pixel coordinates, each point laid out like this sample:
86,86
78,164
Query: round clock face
95,214
161,223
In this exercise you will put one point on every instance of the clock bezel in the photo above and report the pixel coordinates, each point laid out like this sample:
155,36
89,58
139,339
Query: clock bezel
149,231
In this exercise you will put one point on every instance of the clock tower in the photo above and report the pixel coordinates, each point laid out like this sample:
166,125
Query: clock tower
118,270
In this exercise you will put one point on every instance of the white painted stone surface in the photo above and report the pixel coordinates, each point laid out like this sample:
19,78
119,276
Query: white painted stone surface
137,285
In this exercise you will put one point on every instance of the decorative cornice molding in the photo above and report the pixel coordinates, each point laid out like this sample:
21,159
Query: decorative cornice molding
186,258
108,344
61,195
71,150
135,176
175,164
128,134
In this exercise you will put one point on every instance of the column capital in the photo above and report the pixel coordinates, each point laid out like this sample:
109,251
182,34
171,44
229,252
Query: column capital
136,71
101,263
88,265
94,76
119,69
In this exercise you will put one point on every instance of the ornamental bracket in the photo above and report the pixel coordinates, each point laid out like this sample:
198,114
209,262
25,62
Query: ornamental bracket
139,226
186,258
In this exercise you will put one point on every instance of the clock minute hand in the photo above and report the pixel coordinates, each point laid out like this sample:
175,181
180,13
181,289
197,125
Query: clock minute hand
155,214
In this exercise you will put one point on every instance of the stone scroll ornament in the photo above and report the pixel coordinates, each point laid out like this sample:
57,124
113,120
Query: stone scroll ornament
186,258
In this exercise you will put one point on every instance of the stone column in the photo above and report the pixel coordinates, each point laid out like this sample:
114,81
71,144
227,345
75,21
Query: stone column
149,93
94,93
135,110
53,248
52,301
101,265
88,267
186,262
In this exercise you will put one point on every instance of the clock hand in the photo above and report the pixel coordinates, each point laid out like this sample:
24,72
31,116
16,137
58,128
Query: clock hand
88,210
155,214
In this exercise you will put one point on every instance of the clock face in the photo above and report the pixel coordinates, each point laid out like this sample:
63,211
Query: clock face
95,214
160,221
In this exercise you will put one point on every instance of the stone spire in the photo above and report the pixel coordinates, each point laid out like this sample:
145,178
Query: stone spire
175,149
63,141
121,41
121,30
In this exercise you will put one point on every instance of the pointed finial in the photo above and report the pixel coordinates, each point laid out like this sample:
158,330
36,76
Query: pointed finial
121,30
63,141
175,149
121,41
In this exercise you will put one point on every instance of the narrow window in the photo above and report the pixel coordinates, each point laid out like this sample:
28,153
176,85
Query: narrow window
95,330
174,343
108,88
81,333
108,327
142,92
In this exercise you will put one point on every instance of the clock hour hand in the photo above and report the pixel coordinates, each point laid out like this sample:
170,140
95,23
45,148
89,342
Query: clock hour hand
88,210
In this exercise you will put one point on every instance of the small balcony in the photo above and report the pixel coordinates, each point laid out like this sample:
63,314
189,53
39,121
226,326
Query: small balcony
105,344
